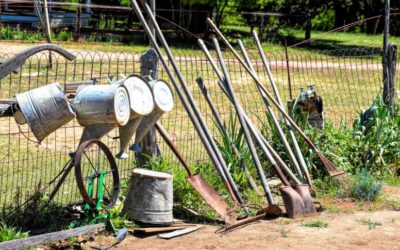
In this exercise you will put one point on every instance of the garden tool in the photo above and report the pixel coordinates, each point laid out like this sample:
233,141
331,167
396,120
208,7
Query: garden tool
219,122
329,166
210,195
244,126
266,147
292,200
188,102
272,115
279,100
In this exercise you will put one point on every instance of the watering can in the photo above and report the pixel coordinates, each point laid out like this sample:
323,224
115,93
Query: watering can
141,104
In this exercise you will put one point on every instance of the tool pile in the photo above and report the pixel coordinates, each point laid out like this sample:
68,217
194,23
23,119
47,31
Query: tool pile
296,190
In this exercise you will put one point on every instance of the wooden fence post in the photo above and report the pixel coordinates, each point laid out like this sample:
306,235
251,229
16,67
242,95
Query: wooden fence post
148,145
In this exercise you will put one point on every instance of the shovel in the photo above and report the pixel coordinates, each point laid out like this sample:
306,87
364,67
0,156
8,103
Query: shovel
210,195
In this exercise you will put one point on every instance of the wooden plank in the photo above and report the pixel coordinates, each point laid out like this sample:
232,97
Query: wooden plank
162,229
178,232
47,238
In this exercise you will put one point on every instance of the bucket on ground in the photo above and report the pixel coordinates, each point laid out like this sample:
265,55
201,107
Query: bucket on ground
102,104
150,197
141,104
164,102
45,109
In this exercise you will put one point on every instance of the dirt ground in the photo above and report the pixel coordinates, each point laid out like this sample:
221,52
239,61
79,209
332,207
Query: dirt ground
355,230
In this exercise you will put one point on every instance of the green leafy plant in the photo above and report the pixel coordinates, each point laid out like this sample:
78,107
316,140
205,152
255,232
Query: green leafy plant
8,233
317,224
371,224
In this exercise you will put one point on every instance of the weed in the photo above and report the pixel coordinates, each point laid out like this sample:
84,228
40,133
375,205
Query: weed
369,223
284,232
318,224
11,233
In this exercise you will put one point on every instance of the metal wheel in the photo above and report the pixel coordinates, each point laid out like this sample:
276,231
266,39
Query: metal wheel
96,174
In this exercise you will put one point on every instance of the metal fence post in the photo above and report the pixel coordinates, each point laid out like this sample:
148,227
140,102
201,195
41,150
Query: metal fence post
148,66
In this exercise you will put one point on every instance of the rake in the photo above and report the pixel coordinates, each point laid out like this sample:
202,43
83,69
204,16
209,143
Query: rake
329,166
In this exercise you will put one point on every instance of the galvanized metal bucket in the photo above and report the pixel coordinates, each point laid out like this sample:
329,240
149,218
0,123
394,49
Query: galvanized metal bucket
102,104
164,100
150,197
45,109
141,103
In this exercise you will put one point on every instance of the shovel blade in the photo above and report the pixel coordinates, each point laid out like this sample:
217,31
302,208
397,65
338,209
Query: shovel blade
213,198
304,191
293,202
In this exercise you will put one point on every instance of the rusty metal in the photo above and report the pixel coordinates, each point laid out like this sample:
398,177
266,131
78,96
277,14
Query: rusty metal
19,59
304,191
209,194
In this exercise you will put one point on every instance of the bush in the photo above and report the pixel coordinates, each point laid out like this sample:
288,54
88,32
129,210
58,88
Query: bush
365,187
8,233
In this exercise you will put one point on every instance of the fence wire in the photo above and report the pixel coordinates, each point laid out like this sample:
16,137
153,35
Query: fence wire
347,81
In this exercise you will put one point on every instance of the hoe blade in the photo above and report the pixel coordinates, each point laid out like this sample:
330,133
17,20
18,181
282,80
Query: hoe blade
213,198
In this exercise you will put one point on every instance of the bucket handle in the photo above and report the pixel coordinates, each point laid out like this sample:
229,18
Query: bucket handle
19,127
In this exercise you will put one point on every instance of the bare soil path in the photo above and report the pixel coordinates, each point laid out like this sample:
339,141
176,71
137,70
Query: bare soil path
356,230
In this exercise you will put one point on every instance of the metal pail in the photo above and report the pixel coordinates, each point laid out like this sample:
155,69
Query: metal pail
102,104
164,100
150,197
45,109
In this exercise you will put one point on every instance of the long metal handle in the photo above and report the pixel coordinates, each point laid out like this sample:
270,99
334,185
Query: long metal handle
221,169
263,143
243,124
271,112
279,100
164,134
282,110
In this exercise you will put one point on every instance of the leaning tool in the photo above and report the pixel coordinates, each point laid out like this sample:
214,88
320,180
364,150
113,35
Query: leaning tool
293,201
329,166
279,100
188,102
210,195
244,126
218,121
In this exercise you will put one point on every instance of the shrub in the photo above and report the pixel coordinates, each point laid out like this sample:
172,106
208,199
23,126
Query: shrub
8,233
365,187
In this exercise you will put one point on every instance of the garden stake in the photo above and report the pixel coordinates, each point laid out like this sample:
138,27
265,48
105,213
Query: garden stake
292,200
329,166
266,147
271,112
219,122
194,114
243,124
210,195
279,100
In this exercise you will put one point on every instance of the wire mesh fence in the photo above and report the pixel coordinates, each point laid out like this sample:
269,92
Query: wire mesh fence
347,81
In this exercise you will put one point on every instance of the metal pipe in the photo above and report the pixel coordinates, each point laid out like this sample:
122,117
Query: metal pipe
219,122
279,100
271,112
201,130
242,122
265,146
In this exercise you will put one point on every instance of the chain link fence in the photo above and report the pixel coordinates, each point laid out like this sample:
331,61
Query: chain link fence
347,81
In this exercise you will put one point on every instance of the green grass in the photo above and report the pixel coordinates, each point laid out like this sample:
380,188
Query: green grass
368,222
8,233
317,224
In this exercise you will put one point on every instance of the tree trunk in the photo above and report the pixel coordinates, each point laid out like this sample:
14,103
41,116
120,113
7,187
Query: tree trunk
190,15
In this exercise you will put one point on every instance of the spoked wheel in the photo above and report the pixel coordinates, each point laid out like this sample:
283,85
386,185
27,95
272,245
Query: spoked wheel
96,174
